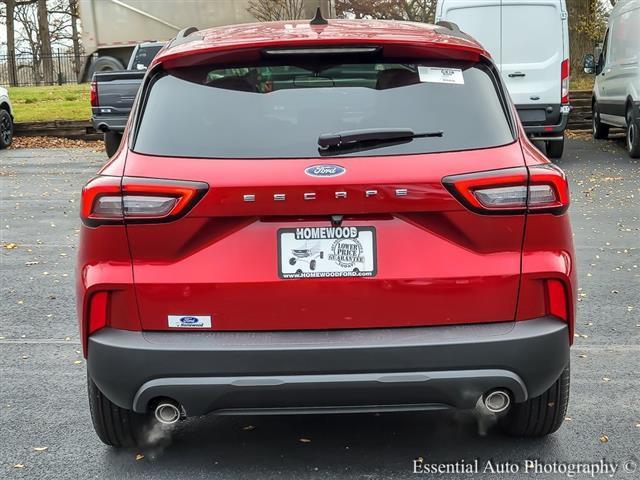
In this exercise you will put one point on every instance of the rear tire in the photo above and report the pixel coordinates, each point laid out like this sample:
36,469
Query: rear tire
633,134
555,148
541,415
6,129
104,64
112,142
115,426
600,130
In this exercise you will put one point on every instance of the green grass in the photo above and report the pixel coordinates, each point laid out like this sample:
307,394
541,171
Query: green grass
582,82
43,104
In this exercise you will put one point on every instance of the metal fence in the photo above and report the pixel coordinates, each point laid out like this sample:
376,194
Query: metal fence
26,69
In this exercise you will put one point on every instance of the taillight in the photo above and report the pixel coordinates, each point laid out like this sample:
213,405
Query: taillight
108,200
541,189
564,81
93,94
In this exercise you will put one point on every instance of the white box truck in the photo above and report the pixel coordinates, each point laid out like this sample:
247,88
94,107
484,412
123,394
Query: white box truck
112,28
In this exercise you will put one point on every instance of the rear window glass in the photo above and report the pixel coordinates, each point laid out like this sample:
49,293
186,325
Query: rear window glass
281,110
143,57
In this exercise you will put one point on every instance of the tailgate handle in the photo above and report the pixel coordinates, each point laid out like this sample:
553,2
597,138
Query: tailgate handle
517,74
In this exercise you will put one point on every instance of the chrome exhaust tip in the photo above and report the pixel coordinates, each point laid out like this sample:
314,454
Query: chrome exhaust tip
497,401
167,413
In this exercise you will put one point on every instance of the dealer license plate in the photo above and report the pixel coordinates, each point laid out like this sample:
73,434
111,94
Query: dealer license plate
330,252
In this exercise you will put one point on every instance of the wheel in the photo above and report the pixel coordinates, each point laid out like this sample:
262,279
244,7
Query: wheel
104,64
116,426
541,415
292,261
112,142
6,129
633,134
312,264
555,148
600,130
321,254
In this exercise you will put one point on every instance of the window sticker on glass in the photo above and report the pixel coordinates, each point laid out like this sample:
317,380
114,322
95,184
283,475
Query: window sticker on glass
441,75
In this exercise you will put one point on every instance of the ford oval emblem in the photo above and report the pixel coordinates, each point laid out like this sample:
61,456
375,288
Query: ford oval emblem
324,170
189,320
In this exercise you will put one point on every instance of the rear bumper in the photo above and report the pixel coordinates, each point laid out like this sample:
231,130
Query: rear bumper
552,127
309,371
109,123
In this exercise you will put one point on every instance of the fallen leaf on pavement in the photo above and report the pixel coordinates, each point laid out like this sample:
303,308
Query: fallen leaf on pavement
10,246
40,449
604,439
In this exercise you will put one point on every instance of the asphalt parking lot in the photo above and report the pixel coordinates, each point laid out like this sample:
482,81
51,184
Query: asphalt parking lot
42,386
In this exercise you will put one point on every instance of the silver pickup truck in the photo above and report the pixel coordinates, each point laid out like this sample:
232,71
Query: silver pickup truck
113,93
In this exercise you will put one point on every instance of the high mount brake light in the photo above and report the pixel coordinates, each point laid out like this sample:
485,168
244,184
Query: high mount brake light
109,200
543,189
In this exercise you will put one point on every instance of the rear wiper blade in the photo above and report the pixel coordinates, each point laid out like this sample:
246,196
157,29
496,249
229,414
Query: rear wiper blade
348,138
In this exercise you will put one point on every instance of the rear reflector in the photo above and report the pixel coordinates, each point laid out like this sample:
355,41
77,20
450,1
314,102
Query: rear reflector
540,189
108,200
557,299
98,312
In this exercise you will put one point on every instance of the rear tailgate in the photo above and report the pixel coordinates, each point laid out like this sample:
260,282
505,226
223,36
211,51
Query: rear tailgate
116,94
435,261
252,253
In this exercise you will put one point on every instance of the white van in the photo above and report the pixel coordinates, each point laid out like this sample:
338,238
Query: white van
616,93
529,42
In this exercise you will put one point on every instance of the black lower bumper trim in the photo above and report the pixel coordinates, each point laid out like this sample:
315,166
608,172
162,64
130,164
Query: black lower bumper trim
306,371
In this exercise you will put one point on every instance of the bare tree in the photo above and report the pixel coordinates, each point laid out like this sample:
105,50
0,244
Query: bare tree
270,10
412,10
44,36
11,59
10,17
73,11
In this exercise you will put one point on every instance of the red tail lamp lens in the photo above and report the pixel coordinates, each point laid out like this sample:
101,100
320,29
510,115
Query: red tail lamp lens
513,190
138,200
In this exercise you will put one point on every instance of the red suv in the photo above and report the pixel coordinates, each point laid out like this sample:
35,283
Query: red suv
321,216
